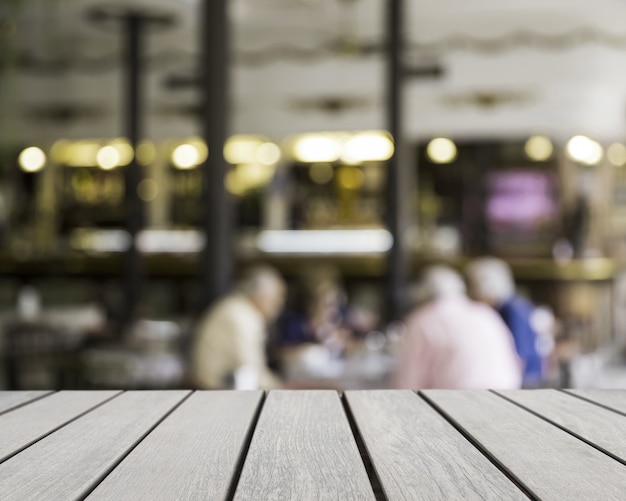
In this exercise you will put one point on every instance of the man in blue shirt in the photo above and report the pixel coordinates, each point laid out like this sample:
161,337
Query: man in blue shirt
491,281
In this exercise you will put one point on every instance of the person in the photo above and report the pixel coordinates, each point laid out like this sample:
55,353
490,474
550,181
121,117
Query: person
452,342
491,281
316,315
229,346
312,335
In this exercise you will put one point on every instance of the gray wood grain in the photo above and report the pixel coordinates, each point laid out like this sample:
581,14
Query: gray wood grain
614,399
193,454
550,462
603,428
12,399
25,425
417,454
70,462
303,448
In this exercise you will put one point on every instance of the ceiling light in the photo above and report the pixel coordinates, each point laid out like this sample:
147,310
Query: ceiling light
617,154
584,150
441,150
108,158
124,150
32,159
268,153
201,147
538,148
368,147
316,148
241,149
185,156
83,154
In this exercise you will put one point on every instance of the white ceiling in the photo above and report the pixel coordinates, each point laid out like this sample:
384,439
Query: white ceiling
511,68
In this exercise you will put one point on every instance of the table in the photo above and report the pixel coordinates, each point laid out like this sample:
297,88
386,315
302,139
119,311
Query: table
313,366
379,444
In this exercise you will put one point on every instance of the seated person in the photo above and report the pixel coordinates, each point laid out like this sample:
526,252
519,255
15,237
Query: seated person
229,346
316,313
491,281
452,342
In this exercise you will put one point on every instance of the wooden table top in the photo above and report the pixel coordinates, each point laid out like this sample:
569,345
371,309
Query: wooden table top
310,445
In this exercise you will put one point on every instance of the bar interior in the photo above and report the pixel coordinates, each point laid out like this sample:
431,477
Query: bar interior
311,164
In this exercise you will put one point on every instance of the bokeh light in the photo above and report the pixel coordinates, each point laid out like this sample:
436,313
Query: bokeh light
148,190
616,153
185,156
539,148
368,147
441,150
584,150
316,148
108,157
32,159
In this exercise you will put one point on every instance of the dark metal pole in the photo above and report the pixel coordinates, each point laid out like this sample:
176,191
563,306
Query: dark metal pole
217,258
133,23
134,219
398,259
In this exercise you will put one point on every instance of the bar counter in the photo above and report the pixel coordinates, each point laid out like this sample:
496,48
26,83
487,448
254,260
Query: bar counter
351,265
385,444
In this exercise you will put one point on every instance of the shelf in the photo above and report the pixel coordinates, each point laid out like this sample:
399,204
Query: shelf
355,266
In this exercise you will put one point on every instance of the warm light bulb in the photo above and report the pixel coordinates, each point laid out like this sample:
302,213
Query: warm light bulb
32,159
441,150
584,150
268,153
316,148
617,154
83,153
538,148
108,158
124,150
241,149
368,147
185,156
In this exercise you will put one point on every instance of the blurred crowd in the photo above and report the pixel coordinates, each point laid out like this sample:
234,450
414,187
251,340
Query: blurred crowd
472,332
460,330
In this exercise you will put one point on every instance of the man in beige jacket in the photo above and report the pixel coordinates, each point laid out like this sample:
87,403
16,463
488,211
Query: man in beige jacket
229,347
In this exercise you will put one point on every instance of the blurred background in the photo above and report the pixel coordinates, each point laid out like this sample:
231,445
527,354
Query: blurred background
362,140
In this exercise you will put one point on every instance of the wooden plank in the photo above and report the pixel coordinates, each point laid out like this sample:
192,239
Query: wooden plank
193,454
603,428
550,462
613,399
303,448
71,461
417,454
12,399
25,425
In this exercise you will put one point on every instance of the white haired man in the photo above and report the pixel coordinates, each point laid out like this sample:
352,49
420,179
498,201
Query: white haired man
229,346
452,342
491,281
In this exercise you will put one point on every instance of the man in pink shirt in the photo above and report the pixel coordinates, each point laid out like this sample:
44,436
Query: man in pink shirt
453,342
